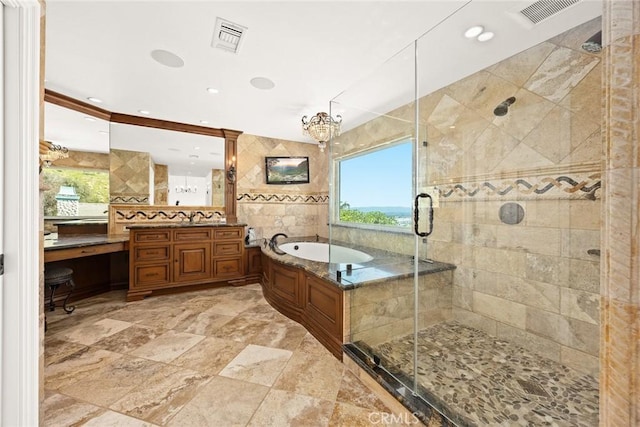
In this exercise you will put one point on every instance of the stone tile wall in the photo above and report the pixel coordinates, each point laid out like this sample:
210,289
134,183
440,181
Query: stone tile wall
297,210
532,282
160,184
129,177
620,297
385,311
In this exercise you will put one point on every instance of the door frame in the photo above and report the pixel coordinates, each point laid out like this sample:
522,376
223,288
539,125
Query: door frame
21,339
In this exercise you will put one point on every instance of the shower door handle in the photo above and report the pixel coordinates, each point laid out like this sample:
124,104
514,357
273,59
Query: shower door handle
416,214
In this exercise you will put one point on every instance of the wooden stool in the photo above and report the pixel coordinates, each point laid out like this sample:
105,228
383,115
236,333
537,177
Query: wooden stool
55,277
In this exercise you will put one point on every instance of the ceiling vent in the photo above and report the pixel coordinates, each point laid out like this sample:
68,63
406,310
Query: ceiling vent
228,36
543,9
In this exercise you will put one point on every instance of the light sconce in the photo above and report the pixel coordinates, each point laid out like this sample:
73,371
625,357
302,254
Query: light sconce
231,172
50,152
321,127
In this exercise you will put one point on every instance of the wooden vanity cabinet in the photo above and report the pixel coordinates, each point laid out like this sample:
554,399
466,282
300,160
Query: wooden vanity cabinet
172,257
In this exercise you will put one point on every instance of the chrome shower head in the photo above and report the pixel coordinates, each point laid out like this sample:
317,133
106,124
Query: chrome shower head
503,108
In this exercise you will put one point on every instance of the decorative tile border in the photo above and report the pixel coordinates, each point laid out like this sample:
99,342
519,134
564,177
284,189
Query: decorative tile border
578,186
121,216
130,199
283,198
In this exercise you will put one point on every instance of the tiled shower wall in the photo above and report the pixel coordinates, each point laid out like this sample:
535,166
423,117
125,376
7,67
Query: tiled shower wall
533,282
297,210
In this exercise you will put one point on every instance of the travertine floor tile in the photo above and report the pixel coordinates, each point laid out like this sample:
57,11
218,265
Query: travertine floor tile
222,402
257,364
77,366
112,381
63,410
312,375
114,419
162,395
167,346
88,334
283,408
208,358
210,355
130,338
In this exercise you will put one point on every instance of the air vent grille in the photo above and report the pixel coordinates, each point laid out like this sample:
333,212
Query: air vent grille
543,9
227,35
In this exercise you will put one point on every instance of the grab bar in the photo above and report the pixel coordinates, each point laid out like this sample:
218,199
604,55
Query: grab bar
416,215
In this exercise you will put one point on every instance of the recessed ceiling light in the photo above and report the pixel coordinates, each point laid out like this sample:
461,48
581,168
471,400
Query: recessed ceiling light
89,119
104,132
94,99
194,156
262,83
191,163
143,112
212,90
487,35
474,31
204,122
167,58
173,149
196,148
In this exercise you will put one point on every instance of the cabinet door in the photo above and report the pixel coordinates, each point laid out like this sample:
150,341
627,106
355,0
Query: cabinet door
324,306
254,260
227,268
286,284
192,261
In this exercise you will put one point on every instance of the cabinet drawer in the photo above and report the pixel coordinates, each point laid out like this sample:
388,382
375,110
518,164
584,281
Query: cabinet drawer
228,233
230,267
151,253
149,275
192,234
152,236
227,248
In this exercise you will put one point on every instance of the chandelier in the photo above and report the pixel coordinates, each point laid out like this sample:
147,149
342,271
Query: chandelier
321,127
50,152
186,188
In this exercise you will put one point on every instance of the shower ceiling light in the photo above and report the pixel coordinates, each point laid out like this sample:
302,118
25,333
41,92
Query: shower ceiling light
474,31
321,127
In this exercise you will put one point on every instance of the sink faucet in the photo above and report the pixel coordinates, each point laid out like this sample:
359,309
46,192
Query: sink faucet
191,216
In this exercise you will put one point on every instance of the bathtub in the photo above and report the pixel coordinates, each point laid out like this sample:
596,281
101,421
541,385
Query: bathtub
315,251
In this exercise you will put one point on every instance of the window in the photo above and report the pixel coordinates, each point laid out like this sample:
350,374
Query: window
75,192
375,186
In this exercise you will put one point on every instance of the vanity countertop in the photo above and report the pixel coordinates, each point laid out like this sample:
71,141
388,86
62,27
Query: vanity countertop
54,242
184,224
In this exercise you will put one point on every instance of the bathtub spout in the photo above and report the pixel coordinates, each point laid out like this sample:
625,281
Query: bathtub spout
273,244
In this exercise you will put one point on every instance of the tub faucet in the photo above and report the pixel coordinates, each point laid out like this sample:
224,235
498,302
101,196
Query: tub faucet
273,242
317,238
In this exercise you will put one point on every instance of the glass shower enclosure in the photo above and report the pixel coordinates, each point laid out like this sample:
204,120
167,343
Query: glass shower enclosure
480,306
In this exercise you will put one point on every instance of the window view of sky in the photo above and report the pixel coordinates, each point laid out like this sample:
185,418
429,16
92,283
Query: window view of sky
378,178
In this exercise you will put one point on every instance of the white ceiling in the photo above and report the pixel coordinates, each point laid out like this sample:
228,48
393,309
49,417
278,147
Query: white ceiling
312,50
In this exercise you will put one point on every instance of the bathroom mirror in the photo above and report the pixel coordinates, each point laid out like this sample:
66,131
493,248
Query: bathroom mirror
184,168
194,163
78,185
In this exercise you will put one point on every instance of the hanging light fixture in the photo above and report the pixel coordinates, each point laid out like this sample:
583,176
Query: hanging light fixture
321,127
186,188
